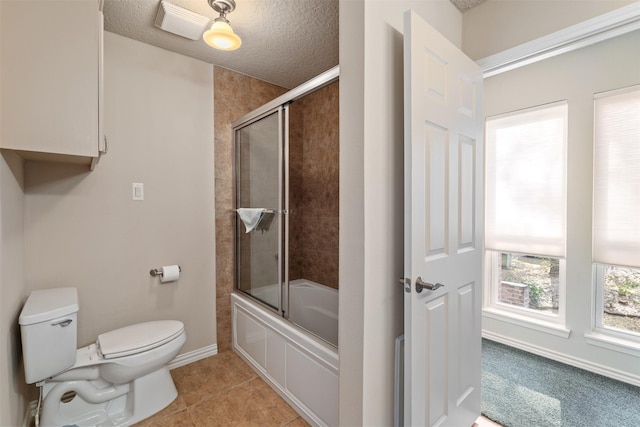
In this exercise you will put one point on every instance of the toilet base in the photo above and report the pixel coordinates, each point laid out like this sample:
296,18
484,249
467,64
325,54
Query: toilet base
99,403
152,393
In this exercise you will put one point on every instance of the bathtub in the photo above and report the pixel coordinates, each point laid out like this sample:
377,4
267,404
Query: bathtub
302,368
312,306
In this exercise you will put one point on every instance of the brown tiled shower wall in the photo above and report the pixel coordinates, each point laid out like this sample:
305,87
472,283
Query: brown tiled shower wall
314,188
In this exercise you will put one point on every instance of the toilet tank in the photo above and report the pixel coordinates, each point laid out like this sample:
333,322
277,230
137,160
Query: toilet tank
48,325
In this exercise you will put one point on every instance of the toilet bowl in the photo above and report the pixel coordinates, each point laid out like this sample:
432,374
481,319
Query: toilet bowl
119,380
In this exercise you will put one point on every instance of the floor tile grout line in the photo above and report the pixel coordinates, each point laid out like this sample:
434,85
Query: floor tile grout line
191,417
243,383
190,413
287,422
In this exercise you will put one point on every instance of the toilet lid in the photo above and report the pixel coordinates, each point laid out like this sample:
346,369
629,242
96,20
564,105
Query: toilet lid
138,338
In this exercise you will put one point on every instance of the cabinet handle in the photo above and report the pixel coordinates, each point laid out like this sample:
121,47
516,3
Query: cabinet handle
106,145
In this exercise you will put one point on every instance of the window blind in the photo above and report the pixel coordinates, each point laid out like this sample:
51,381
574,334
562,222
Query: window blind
525,195
616,198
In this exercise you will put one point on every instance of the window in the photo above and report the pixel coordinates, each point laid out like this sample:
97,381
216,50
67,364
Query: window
525,227
527,282
619,302
616,211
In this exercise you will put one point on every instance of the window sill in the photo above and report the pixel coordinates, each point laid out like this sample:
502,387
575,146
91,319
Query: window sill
526,322
613,343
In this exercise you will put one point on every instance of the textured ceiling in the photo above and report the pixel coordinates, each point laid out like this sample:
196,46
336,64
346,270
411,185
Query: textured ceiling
463,5
285,42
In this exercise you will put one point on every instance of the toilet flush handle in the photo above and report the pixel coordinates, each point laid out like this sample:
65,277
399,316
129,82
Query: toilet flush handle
63,323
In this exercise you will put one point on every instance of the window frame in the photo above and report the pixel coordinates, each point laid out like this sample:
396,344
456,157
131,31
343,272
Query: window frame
622,337
492,258
524,316
598,325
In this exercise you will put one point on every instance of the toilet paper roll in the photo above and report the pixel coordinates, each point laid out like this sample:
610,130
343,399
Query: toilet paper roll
170,273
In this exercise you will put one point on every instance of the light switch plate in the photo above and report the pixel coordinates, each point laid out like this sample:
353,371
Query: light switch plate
138,190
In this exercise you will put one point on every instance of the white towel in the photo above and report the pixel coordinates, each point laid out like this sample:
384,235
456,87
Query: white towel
251,217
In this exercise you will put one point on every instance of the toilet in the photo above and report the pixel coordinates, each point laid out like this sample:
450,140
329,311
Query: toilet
119,380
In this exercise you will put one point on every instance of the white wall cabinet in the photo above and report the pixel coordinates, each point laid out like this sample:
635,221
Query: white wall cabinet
51,75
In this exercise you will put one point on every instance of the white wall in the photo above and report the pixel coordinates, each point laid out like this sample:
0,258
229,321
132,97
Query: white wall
12,288
574,77
496,25
84,230
372,197
12,284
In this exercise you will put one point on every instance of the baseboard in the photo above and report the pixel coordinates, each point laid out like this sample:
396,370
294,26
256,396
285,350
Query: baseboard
398,382
193,356
566,359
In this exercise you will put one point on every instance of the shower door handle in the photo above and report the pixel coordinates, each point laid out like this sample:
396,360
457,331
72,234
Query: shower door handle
420,285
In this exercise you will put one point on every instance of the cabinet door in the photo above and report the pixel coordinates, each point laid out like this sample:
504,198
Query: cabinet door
50,76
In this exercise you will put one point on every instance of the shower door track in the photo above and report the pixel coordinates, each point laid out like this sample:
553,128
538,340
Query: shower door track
294,94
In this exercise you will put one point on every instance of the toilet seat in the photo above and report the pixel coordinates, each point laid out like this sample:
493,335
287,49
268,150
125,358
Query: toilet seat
137,338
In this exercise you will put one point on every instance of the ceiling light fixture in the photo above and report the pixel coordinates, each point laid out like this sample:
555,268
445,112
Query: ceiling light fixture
221,35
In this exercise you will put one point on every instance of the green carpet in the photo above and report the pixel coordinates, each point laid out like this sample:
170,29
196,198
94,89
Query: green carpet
520,389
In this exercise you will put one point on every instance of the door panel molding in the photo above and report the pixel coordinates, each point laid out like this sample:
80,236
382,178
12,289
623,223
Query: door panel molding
436,337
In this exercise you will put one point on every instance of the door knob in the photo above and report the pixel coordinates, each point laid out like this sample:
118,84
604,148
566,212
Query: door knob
420,285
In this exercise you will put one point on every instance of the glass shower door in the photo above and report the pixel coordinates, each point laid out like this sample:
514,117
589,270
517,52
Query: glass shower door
258,180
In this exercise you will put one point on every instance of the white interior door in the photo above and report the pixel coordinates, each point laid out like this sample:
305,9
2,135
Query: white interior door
443,229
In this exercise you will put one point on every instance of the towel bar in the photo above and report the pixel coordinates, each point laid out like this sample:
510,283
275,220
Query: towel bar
271,211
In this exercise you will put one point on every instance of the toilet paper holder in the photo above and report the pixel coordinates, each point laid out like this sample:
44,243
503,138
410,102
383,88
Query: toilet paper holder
158,271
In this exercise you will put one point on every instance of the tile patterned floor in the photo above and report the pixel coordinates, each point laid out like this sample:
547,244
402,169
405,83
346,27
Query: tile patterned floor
485,422
222,390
